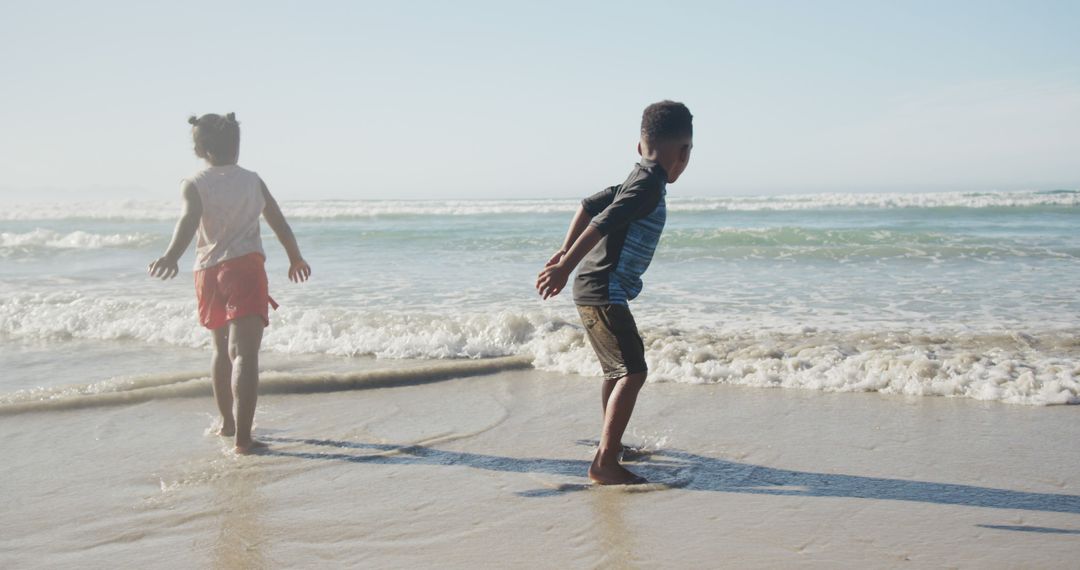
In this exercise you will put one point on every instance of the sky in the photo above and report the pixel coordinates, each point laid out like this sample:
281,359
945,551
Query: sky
440,100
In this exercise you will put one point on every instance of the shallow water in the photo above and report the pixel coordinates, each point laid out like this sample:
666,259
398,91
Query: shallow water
970,295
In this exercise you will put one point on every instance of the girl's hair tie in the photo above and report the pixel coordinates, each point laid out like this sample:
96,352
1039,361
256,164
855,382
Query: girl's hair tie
193,120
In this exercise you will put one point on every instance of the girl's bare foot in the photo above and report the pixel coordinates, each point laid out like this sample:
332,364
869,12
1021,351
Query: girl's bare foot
227,431
253,446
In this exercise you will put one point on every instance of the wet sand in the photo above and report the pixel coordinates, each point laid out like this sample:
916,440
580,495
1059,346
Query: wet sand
490,471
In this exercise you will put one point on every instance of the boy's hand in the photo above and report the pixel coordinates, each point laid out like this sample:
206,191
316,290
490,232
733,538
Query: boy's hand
163,268
299,271
552,280
555,258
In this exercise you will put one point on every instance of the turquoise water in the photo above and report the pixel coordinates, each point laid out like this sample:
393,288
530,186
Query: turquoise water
970,295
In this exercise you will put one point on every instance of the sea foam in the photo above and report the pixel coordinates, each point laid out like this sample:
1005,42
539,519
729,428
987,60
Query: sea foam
1035,368
353,209
49,239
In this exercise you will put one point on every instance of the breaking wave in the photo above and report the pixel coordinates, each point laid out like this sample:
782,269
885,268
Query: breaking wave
1020,367
48,239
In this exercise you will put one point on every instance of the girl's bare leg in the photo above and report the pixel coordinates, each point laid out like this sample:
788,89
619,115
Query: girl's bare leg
221,374
245,338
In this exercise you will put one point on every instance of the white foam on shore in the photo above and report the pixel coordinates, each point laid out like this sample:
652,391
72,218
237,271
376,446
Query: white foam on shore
351,209
1035,368
49,239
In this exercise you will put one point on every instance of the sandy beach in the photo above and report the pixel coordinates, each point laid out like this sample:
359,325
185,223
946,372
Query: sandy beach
841,238
488,471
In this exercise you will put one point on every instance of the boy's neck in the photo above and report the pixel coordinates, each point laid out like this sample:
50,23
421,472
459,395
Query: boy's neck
664,160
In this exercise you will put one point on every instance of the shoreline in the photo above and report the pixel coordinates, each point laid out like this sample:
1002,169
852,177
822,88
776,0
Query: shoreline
491,470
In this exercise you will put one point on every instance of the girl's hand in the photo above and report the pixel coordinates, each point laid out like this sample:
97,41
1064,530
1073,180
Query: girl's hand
163,268
299,271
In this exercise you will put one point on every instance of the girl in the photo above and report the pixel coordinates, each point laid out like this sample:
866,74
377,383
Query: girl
222,204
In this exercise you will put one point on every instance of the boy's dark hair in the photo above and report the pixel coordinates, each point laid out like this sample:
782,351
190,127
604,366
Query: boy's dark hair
666,120
216,136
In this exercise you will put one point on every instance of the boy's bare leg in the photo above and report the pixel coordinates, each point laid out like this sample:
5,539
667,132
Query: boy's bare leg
245,337
605,468
221,374
605,395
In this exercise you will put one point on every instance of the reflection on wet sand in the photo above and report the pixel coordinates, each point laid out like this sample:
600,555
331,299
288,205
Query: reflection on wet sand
241,540
615,538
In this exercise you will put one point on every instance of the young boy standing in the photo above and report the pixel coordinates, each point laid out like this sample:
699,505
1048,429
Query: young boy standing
613,237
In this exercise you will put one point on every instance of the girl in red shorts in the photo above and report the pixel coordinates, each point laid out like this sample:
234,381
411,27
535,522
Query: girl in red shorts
222,205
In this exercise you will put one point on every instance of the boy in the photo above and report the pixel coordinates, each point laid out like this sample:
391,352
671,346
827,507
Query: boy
222,204
613,236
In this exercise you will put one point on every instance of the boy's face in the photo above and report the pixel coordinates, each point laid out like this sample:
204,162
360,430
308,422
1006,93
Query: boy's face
681,160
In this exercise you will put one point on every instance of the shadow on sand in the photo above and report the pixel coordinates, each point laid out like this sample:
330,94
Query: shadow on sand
669,468
1036,529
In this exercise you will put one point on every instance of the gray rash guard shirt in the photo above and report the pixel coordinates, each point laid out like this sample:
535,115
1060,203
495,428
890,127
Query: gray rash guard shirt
631,218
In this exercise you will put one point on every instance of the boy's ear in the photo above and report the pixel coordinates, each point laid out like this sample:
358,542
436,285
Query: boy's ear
639,148
684,153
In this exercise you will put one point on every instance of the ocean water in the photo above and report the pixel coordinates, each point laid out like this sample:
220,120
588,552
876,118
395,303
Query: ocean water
972,295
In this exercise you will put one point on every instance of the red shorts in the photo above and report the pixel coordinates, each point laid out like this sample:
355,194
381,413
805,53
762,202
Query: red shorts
232,289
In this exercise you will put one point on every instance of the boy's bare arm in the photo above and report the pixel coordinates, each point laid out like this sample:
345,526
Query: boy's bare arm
299,270
165,267
577,225
581,238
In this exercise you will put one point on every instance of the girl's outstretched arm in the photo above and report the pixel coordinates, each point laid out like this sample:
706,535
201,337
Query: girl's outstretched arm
299,270
165,266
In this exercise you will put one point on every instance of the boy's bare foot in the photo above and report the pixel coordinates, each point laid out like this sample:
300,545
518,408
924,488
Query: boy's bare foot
227,431
253,446
627,453
609,472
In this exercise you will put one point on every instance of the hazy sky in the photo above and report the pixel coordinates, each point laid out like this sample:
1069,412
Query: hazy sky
515,99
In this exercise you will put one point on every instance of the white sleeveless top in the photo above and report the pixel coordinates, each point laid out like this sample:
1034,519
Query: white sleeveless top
232,201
